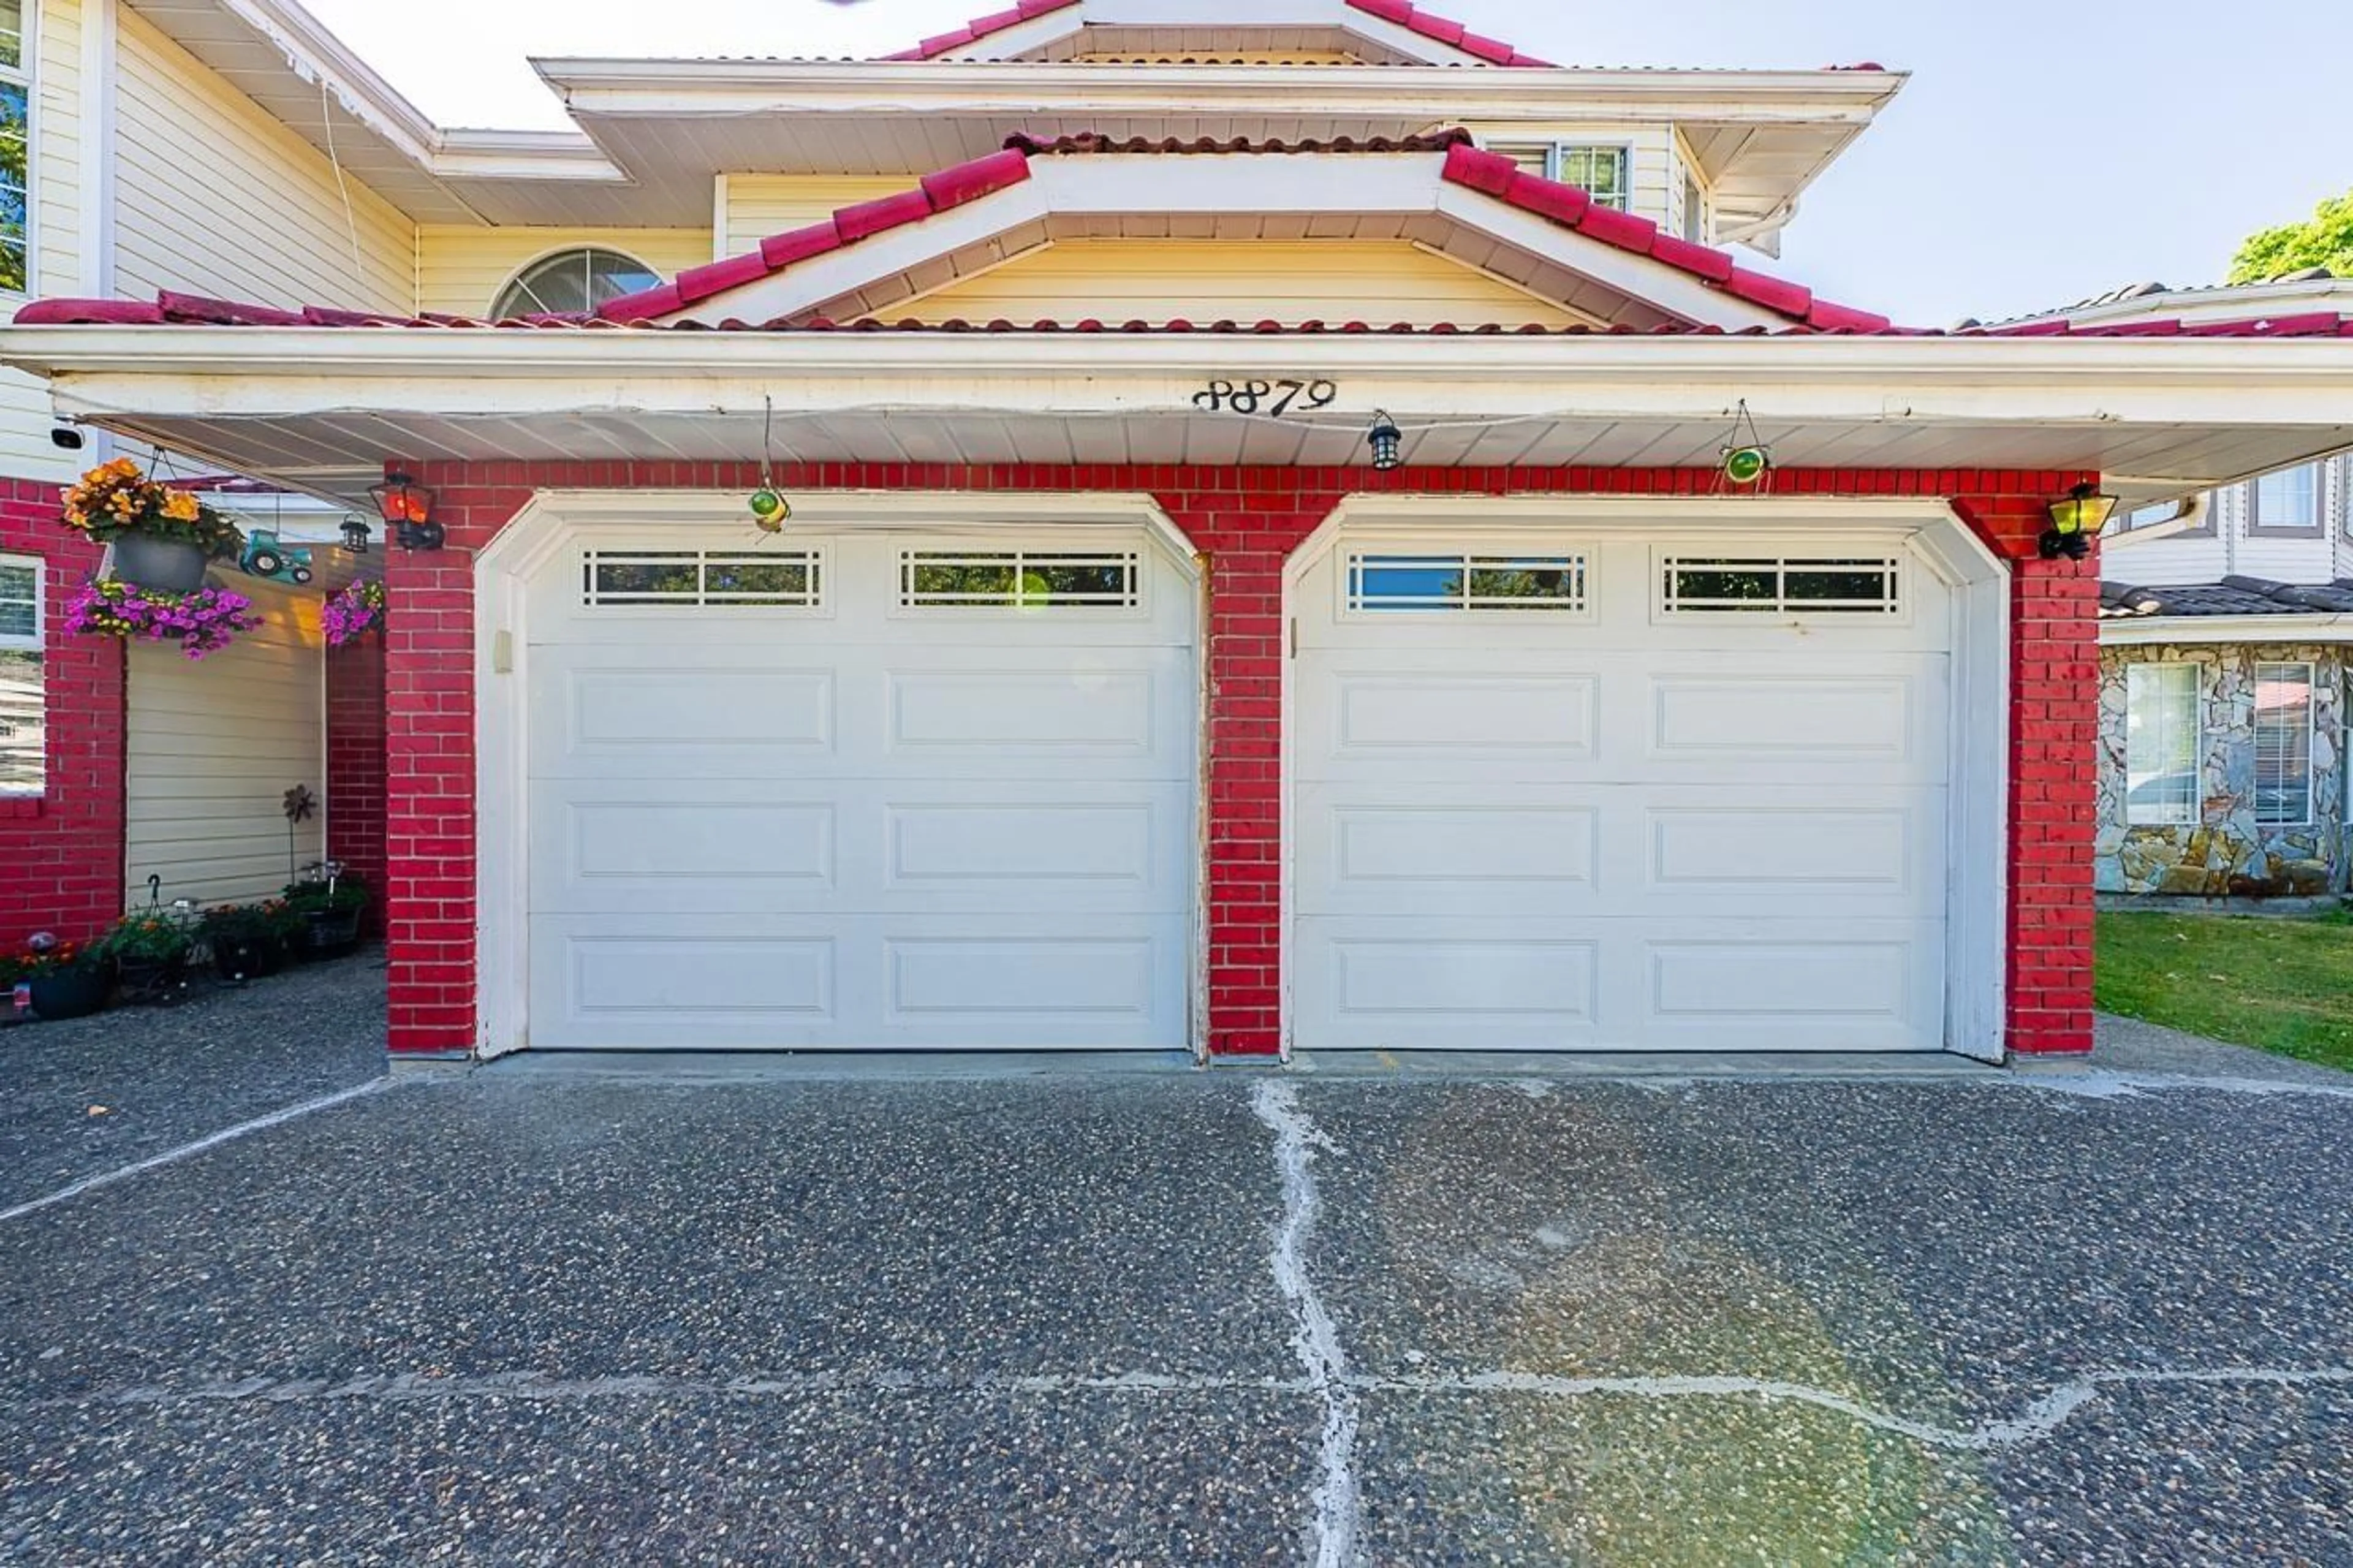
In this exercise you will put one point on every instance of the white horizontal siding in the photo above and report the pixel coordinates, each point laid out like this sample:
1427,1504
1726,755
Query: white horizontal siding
215,196
1653,160
213,747
57,158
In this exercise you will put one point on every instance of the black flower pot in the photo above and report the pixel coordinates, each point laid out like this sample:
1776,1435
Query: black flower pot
164,566
154,980
333,932
241,958
72,992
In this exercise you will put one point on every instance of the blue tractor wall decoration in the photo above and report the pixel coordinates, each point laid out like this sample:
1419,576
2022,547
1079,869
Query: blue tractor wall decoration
265,557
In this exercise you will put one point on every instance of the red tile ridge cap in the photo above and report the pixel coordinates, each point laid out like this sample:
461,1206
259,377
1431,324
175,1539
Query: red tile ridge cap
1571,207
1448,32
1095,142
980,27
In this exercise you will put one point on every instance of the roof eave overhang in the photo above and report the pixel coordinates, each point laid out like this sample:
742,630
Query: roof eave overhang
1876,401
2143,631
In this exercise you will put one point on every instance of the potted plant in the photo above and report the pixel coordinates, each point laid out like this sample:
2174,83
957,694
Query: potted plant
353,612
203,622
64,979
151,952
331,901
287,926
244,941
163,537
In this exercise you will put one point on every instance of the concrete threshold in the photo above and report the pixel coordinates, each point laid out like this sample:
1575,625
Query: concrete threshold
1603,1066
746,1067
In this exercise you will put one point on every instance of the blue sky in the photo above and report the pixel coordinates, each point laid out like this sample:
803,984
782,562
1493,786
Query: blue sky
2043,152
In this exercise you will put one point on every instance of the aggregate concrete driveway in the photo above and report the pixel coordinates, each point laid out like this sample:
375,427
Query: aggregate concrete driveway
1154,1315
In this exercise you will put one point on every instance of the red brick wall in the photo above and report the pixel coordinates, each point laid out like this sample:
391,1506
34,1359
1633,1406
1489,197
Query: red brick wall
61,855
1247,520
355,761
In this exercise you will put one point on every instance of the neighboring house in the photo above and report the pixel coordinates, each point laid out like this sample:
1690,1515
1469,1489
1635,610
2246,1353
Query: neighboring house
127,774
2225,626
1260,573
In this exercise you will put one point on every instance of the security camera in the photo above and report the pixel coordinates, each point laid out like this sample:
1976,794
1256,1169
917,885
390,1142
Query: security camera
67,436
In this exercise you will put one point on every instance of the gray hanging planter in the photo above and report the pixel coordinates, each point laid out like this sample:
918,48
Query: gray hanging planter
161,565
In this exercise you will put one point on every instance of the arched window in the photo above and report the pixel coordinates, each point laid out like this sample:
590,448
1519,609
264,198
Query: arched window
572,282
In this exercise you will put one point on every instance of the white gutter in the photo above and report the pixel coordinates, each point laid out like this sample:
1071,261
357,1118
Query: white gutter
688,89
2189,519
2140,631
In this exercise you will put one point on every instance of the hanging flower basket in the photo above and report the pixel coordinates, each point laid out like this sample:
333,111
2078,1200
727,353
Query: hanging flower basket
202,623
162,537
353,612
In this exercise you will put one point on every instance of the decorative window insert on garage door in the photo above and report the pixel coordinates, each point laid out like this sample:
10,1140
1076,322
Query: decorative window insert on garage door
703,579
1551,579
1827,585
1021,580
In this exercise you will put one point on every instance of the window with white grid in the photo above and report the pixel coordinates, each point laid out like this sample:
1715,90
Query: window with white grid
2286,502
2161,741
24,700
2283,744
1506,584
1020,579
1604,173
1843,585
703,579
16,146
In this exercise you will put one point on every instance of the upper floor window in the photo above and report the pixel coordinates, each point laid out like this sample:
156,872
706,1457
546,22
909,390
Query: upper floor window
16,146
570,283
22,701
1602,172
2285,502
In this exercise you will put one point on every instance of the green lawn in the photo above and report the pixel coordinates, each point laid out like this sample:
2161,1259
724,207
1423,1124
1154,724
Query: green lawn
2286,985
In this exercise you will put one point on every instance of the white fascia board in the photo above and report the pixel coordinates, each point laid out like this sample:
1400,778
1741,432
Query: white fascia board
1670,289
2202,630
697,90
1893,383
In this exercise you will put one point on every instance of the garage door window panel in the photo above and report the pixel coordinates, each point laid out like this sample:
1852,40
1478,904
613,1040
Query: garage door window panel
2161,742
1021,580
702,579
1382,584
1715,585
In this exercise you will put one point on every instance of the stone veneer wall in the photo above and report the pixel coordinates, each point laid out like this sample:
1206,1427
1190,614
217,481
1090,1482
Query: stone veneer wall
2226,852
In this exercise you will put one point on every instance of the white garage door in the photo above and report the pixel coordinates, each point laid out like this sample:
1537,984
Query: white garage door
861,791
1631,794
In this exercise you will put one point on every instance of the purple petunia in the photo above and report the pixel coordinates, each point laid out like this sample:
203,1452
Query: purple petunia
202,623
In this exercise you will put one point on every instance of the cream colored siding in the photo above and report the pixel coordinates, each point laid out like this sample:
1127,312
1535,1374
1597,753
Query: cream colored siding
213,748
54,204
1653,160
215,196
1116,280
461,270
758,206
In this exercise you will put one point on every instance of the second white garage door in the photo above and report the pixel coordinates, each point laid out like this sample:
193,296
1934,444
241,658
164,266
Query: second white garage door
1640,793
861,791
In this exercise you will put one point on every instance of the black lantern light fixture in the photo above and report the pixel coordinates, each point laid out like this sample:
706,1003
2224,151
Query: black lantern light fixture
356,535
2077,518
407,508
1388,443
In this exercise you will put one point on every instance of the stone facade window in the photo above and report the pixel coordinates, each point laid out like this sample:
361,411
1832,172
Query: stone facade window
2283,744
2161,786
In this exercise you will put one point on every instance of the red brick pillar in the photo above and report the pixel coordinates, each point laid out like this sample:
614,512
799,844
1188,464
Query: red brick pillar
1249,537
429,808
355,762
61,851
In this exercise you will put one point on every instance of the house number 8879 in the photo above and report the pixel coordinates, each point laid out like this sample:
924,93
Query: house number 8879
1270,397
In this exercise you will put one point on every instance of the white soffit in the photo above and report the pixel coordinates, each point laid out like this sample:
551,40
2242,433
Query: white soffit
1210,26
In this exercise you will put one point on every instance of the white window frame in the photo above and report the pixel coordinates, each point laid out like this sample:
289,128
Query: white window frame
703,603
1667,608
20,75
1136,605
36,643
1556,160
2315,525
583,254
2187,815
2255,725
1577,558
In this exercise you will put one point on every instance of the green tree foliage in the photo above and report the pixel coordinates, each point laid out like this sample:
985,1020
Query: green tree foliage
2326,239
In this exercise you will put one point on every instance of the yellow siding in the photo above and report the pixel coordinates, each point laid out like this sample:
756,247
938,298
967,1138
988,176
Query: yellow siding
215,196
1652,166
212,749
462,270
1380,281
761,204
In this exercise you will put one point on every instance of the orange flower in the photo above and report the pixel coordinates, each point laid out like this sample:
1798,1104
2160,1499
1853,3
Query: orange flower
181,507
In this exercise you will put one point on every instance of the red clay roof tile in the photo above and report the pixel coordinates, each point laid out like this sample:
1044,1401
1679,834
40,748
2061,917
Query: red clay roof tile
1396,12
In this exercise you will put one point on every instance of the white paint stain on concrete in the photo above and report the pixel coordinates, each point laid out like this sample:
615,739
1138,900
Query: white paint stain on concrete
189,1151
1338,1505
